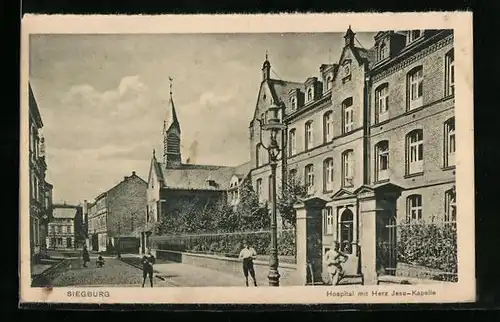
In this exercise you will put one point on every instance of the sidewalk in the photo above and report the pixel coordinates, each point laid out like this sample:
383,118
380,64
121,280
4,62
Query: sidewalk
185,275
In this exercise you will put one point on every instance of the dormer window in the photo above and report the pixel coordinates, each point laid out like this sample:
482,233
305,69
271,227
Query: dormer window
310,94
413,35
329,82
346,71
383,51
293,103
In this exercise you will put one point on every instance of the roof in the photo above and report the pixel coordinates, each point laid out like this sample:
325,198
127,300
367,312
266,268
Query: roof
171,116
280,89
197,177
33,106
366,55
64,212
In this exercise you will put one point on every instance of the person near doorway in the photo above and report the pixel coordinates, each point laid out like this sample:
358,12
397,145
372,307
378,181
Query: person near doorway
147,261
248,255
333,259
85,256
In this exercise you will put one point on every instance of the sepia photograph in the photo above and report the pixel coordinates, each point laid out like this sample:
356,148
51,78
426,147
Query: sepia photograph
322,162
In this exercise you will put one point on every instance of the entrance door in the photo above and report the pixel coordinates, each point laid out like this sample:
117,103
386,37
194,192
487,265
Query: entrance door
68,242
386,243
95,242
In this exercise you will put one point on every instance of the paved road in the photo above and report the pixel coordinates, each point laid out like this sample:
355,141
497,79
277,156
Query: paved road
114,273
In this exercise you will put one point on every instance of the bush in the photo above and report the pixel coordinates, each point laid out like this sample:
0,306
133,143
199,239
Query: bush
429,245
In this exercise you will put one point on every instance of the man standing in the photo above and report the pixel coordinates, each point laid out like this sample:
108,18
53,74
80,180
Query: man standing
248,254
333,259
147,268
86,256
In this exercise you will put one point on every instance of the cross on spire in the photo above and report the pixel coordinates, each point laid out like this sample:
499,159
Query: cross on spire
266,54
171,80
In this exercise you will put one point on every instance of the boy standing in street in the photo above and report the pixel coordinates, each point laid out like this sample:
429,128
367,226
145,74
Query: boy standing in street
333,259
147,268
248,254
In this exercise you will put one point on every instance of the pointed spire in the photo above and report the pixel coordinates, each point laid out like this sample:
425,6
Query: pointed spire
154,153
171,117
266,69
349,37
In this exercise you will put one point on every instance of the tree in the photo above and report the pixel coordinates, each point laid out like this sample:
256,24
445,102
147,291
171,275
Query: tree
253,215
291,192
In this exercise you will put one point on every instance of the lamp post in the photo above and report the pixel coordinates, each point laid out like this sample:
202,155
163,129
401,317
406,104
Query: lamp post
274,127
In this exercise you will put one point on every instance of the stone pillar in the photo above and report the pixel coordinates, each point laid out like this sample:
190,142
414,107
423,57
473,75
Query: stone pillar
309,233
368,238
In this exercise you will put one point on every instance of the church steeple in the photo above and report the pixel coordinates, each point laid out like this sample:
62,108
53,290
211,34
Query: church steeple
349,37
266,69
171,134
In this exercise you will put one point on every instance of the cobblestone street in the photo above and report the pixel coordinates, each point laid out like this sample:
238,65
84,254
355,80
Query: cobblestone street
114,273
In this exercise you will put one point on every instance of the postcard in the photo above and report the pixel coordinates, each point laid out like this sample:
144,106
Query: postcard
245,159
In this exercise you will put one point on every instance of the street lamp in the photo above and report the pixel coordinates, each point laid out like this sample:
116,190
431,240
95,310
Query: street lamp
274,127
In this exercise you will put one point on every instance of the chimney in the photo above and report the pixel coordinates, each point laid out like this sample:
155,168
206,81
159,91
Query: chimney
133,173
125,178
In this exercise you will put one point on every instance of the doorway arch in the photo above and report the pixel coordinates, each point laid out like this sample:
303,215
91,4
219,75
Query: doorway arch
346,231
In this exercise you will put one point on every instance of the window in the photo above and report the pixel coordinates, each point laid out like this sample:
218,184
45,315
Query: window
261,155
328,174
346,69
450,211
293,103
328,126
309,178
309,135
415,87
348,168
328,221
348,120
382,161
258,189
329,83
415,152
346,230
381,102
383,51
292,176
310,94
292,142
450,74
449,143
413,35
414,208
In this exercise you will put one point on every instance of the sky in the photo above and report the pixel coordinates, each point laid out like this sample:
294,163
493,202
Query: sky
103,98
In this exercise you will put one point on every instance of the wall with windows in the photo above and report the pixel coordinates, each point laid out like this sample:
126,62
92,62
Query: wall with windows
428,203
426,76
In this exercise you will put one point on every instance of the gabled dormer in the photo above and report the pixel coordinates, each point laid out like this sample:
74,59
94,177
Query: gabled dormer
313,89
388,44
295,99
327,71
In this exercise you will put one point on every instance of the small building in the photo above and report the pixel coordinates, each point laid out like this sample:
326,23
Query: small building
116,213
62,228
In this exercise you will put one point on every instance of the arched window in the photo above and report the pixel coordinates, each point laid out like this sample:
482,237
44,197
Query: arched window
382,102
383,51
346,230
449,142
415,89
329,82
415,152
258,188
293,103
310,95
328,174
328,126
450,73
347,112
309,178
261,155
292,176
309,135
382,160
348,168
414,208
